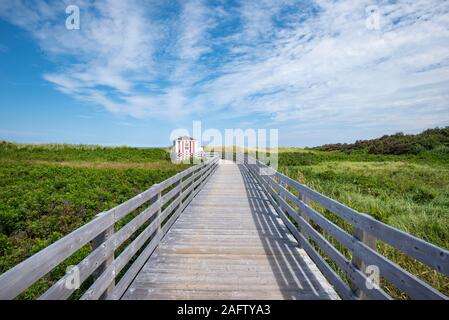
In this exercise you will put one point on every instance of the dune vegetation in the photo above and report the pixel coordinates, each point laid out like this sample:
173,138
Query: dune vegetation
47,191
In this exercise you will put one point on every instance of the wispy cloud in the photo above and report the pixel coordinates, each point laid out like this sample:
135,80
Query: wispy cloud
293,62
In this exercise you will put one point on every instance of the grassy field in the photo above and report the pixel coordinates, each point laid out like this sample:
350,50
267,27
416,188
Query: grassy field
409,191
47,191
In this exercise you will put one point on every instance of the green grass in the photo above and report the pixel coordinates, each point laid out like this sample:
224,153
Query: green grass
91,153
409,192
47,191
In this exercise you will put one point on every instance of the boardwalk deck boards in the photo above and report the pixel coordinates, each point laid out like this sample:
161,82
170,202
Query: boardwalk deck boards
229,243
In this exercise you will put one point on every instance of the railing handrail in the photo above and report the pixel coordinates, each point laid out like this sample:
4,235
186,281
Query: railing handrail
367,231
211,153
23,275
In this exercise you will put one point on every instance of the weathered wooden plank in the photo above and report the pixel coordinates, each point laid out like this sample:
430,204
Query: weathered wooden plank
225,259
254,232
254,265
226,242
218,282
242,250
161,294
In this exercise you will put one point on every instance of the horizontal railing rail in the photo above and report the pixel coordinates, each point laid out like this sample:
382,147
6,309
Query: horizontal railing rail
210,154
166,201
299,216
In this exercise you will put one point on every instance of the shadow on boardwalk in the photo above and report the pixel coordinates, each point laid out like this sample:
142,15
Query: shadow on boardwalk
296,274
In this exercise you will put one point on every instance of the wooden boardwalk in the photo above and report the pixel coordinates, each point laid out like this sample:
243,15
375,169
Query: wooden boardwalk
229,243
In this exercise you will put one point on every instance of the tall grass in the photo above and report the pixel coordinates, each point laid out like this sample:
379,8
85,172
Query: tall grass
410,196
66,152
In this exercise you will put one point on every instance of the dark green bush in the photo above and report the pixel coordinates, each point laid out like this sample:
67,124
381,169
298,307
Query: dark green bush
396,144
5,245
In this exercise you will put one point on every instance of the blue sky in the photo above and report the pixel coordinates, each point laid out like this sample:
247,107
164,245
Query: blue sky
136,70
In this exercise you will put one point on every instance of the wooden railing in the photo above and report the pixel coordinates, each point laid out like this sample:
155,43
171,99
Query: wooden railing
165,200
300,217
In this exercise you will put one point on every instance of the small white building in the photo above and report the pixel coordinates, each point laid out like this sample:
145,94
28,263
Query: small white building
186,147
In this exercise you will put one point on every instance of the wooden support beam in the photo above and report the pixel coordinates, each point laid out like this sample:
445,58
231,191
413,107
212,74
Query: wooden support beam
358,261
98,241
306,201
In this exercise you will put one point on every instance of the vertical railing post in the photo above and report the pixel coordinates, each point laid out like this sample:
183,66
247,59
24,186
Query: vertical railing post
159,211
179,194
156,199
96,242
284,185
195,176
358,262
201,177
306,201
